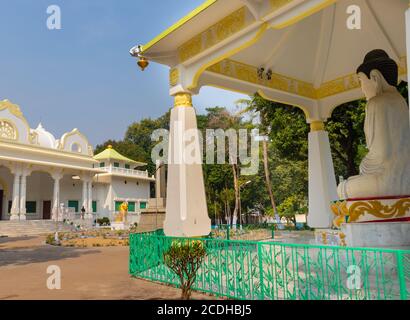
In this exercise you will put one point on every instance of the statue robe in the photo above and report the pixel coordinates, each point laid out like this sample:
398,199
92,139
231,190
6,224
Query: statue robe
385,171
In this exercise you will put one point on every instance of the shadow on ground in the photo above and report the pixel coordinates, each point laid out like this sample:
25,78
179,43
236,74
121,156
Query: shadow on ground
4,240
22,256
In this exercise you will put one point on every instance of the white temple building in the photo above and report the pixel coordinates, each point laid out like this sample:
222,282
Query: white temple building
41,176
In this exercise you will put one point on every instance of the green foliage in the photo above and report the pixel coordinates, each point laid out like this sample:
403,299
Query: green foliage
347,139
184,258
137,144
103,221
294,204
287,131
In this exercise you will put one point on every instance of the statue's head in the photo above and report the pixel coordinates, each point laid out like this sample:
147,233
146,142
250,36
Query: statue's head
377,72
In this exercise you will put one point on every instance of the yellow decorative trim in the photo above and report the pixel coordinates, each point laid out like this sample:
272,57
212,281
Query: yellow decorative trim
8,130
303,15
212,63
173,77
277,4
179,24
303,108
340,211
378,210
317,126
183,100
375,208
220,31
75,132
13,108
248,73
43,150
240,71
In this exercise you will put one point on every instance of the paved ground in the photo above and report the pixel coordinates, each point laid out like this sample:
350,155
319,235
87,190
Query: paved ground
97,273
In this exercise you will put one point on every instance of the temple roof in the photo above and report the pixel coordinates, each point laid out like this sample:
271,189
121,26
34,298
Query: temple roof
112,154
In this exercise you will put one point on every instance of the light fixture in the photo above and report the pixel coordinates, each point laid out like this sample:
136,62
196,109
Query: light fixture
264,74
136,53
143,63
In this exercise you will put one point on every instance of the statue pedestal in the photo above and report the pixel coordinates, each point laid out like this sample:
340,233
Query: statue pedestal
329,237
374,222
119,226
377,234
383,209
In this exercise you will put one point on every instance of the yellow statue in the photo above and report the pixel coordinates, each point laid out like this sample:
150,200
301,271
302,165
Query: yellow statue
122,216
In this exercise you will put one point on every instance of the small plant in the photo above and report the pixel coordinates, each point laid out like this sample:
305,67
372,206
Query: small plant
103,221
185,257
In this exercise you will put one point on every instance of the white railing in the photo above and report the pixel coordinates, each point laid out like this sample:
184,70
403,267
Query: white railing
128,172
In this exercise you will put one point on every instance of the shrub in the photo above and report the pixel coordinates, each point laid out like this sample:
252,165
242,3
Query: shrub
184,257
103,221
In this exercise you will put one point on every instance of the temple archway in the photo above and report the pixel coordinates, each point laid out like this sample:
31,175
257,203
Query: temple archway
5,185
39,195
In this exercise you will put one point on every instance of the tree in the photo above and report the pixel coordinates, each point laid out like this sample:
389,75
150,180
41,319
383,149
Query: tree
253,105
346,135
221,118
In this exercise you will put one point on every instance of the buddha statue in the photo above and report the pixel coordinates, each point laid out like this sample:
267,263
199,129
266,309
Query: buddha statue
385,171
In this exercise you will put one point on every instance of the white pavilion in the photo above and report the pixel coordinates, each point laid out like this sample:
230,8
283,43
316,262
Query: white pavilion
309,50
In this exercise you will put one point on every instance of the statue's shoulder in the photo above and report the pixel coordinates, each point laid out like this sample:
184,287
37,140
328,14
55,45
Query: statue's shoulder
385,100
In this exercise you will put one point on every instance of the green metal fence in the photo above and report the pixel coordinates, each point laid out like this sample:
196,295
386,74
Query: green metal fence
272,271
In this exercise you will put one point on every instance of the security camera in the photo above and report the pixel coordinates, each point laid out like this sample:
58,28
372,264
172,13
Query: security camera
135,51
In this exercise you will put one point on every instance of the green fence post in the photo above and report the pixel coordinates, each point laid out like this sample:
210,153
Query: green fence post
273,231
262,287
401,276
228,227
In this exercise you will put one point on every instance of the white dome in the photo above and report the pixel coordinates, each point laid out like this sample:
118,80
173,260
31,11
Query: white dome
45,138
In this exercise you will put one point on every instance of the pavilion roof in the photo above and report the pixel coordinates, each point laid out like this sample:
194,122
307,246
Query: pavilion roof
299,52
111,154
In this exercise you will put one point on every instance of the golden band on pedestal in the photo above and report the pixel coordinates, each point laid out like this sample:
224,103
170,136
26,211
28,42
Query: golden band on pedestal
317,126
183,100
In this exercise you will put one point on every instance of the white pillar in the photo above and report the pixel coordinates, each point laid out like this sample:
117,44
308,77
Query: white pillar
15,207
85,193
90,199
186,212
322,180
56,196
158,179
23,189
408,44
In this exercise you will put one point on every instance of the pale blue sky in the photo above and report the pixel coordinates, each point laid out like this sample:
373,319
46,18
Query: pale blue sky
83,76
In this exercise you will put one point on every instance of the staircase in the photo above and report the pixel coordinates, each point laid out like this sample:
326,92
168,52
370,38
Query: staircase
30,228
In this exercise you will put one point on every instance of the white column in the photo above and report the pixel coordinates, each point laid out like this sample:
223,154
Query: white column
158,179
90,199
23,189
322,180
15,207
85,192
56,196
408,43
186,212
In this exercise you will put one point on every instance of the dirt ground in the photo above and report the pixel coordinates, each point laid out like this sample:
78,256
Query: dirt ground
86,274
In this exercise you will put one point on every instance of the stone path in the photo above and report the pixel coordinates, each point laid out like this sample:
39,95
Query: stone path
95,273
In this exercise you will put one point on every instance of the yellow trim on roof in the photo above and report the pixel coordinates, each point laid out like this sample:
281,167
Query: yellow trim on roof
304,14
179,24
111,154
